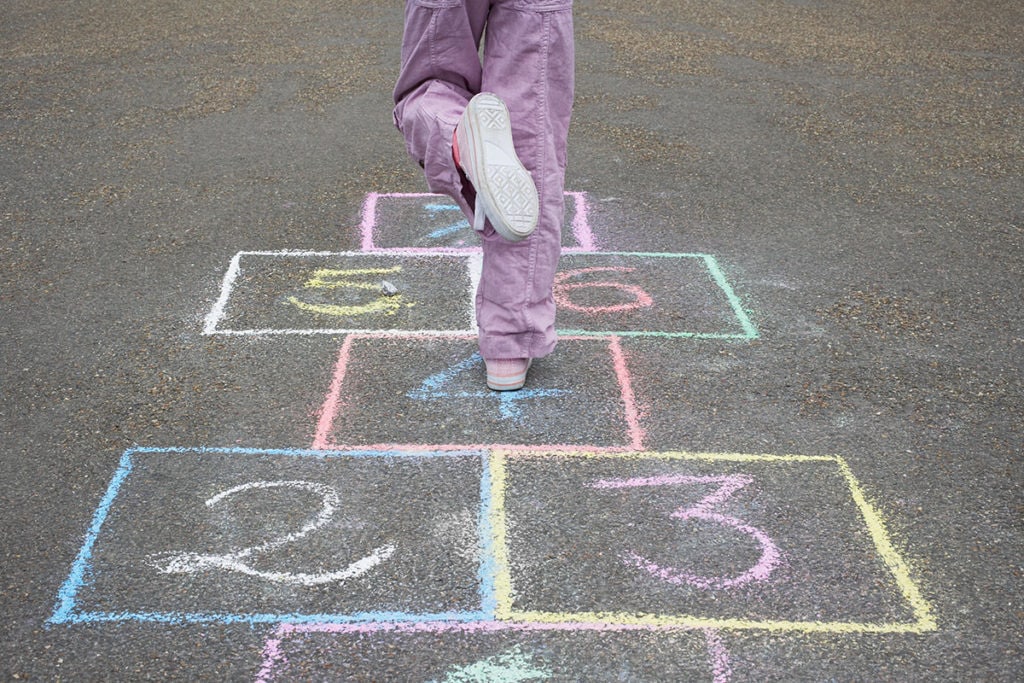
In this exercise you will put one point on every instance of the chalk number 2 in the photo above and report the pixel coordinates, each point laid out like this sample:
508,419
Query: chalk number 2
239,560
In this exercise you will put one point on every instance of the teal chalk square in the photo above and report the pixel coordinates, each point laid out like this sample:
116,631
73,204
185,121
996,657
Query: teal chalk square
648,294
242,535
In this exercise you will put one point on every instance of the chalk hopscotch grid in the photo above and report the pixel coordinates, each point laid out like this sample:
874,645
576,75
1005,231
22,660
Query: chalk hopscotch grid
332,408
899,569
586,244
507,618
494,572
497,611
67,608
747,331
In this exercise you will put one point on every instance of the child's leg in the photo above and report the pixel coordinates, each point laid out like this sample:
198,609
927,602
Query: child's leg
440,72
529,63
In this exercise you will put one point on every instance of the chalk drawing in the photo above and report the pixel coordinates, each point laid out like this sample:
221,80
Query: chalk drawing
190,563
497,610
250,274
79,592
331,278
703,510
922,620
511,666
275,657
334,406
509,402
720,308
563,286
723,316
718,656
445,231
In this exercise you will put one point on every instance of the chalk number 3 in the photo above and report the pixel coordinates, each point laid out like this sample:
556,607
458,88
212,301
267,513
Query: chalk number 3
703,511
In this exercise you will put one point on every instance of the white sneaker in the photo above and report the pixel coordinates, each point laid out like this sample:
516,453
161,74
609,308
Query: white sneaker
505,192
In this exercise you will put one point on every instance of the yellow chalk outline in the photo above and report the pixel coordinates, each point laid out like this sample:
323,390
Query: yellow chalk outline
502,575
323,279
925,619
386,305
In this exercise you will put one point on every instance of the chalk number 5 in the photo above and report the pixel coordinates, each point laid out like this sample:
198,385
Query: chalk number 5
359,279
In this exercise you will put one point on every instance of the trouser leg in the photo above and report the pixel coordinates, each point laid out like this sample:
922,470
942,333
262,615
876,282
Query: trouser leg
528,62
440,72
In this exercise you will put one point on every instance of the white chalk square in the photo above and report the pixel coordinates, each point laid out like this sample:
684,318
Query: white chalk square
303,292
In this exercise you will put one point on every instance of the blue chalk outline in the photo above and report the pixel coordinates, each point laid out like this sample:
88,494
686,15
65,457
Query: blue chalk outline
66,609
431,389
448,229
749,329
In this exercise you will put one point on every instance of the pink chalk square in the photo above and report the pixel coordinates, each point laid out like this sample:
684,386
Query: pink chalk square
408,392
430,222
489,651
660,539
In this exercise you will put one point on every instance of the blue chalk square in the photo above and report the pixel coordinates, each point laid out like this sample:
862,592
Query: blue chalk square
264,536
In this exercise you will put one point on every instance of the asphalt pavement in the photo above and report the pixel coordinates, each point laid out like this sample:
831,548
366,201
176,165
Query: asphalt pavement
243,428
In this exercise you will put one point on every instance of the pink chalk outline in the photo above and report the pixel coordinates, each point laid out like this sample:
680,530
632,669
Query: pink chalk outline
581,231
562,287
333,406
275,658
730,484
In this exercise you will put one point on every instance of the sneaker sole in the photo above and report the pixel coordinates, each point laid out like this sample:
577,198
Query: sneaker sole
505,189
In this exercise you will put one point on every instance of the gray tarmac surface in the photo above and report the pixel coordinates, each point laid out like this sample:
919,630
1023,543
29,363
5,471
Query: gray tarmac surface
811,472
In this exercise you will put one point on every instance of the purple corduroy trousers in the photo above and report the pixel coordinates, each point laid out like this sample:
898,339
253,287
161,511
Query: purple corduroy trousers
528,61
